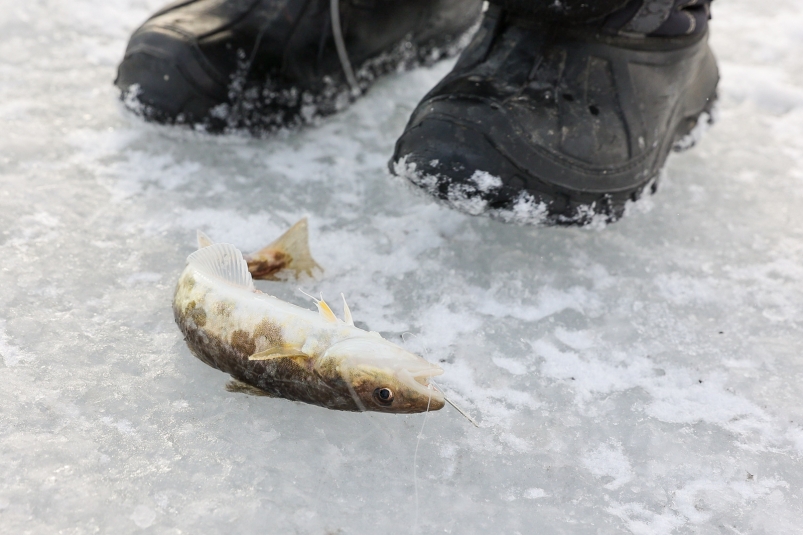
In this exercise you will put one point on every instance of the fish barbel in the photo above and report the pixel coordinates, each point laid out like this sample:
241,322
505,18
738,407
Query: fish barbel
272,347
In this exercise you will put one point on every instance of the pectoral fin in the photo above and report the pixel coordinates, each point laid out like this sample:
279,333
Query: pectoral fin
279,352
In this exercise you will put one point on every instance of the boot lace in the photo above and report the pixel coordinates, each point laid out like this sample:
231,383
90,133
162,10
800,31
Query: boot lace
340,44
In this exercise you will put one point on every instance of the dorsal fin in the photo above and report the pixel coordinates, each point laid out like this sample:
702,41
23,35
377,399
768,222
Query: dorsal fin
323,308
326,312
347,312
223,261
203,240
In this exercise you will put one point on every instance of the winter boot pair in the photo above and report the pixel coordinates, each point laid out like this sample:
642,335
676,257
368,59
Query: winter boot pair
555,113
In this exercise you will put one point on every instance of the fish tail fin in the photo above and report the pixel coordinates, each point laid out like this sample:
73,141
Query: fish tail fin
203,240
295,244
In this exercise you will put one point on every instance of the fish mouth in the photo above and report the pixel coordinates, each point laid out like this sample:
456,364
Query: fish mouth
418,380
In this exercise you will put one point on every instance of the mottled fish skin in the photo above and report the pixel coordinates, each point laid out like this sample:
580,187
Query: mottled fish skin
224,326
223,334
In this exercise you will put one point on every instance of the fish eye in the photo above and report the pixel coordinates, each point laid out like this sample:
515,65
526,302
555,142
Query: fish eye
383,396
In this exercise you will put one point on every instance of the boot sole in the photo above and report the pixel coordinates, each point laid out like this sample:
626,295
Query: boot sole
611,208
568,207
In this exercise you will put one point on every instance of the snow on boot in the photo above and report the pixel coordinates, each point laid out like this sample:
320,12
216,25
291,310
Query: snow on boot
266,64
542,122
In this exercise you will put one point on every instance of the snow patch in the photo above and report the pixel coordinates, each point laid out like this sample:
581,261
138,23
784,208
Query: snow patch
473,196
534,493
485,182
11,354
143,516
609,461
701,126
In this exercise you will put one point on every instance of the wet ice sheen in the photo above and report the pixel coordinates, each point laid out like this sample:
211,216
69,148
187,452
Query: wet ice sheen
643,378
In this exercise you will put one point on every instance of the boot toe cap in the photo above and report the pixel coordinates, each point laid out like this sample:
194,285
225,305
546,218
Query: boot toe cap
463,168
163,78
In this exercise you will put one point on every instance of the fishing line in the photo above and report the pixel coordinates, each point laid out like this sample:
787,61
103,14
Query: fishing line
415,459
446,399
450,402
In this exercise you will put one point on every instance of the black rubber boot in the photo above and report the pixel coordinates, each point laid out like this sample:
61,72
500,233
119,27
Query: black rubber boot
264,64
562,124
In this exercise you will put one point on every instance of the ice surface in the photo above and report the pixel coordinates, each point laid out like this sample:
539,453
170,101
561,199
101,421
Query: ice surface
641,378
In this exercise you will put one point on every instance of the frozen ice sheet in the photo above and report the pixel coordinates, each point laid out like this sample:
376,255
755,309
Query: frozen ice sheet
642,378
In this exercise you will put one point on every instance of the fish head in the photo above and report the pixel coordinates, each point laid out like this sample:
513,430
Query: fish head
381,376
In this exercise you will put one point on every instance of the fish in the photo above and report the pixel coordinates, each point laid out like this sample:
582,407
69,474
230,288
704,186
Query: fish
277,349
288,255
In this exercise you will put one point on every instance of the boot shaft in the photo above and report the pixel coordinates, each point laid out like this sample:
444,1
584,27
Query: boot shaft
658,18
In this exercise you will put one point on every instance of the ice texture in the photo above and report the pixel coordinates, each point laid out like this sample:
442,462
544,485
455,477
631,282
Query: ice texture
645,377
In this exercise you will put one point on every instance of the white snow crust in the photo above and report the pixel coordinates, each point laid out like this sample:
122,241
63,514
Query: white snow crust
643,378
526,210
